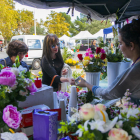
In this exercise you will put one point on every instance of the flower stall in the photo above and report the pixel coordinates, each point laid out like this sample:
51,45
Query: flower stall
97,122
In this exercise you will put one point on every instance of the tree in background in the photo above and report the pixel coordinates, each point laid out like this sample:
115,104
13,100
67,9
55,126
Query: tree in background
8,18
39,30
25,21
56,24
81,24
96,25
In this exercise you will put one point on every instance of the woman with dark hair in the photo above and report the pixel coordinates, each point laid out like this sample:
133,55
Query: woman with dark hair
93,46
52,63
129,43
15,48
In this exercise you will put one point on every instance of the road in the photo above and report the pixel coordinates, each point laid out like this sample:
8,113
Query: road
4,55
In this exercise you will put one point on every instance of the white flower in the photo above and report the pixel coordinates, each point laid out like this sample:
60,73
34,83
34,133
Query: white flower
8,89
75,117
80,132
23,93
20,68
136,131
119,124
132,112
85,125
110,124
15,71
15,86
15,136
98,124
74,110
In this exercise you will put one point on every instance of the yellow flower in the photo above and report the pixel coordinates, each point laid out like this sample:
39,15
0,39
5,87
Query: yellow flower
40,72
105,62
66,61
86,58
87,111
85,62
74,62
70,61
95,55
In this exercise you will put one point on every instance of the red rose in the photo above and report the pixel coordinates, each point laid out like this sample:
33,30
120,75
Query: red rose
98,50
80,57
103,56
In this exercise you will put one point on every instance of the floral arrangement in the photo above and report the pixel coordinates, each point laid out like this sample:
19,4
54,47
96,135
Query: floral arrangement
15,85
114,54
71,62
94,122
93,62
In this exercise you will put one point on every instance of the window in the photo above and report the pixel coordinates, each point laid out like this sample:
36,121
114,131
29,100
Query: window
34,44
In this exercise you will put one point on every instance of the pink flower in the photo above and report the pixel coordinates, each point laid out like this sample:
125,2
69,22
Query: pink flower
89,49
91,55
11,116
7,77
32,88
102,51
87,54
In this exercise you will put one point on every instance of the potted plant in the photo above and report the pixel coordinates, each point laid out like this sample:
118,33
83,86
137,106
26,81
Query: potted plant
78,47
93,64
114,58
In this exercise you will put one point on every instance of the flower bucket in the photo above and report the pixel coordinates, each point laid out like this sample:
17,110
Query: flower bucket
77,50
113,69
124,66
93,78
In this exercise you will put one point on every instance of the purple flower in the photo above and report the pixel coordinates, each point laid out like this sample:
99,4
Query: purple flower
102,51
7,77
32,88
11,116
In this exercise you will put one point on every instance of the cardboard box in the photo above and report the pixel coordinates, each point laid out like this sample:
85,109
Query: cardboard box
44,125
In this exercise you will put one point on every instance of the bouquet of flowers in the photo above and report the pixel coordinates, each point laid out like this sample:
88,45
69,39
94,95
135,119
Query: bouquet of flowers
15,85
93,62
114,54
94,122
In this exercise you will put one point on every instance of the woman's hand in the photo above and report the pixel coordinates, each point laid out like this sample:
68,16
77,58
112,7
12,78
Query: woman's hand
81,82
72,81
64,72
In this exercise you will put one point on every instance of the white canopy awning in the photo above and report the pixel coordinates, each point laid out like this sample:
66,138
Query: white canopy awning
83,35
64,37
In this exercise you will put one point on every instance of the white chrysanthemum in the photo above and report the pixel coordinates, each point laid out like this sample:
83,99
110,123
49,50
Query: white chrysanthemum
8,89
15,71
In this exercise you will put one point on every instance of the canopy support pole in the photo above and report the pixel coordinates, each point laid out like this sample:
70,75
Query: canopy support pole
88,43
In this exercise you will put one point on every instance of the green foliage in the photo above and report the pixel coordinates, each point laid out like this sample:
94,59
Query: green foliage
39,30
96,25
96,66
66,54
114,57
76,74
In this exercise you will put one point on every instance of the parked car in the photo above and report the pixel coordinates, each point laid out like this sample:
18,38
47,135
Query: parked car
35,45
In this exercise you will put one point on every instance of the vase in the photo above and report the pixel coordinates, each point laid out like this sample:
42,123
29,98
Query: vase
113,69
124,66
93,78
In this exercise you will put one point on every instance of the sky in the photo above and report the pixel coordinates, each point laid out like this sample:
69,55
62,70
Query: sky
42,13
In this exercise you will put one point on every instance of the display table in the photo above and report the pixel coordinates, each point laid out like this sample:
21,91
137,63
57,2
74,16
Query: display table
44,95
